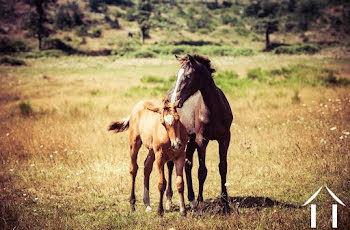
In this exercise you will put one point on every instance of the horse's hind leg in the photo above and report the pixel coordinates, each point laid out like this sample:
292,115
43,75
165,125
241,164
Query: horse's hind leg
202,170
223,147
147,171
135,144
169,191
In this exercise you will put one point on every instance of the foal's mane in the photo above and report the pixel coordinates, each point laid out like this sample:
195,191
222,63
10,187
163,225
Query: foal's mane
185,62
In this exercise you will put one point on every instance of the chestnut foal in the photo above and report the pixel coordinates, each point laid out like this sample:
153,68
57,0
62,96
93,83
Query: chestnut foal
159,128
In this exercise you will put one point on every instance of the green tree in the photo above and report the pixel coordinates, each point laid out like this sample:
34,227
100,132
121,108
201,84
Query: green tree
144,9
267,15
37,18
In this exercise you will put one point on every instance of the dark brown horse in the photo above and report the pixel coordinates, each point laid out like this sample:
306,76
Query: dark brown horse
206,114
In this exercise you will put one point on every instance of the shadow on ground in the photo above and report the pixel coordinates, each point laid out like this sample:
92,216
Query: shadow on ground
215,206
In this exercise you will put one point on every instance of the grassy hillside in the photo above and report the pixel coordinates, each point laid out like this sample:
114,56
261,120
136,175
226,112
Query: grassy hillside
192,26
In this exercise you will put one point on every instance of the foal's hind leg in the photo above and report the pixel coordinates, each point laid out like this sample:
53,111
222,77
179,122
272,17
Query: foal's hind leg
147,171
223,147
169,190
135,144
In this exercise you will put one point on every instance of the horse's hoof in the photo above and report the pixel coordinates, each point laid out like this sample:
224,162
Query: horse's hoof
227,209
148,209
160,212
168,205
193,205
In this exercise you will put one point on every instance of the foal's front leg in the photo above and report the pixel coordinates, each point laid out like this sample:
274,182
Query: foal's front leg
179,164
147,171
169,190
161,184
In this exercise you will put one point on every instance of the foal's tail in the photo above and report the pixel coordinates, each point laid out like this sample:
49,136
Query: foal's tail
120,126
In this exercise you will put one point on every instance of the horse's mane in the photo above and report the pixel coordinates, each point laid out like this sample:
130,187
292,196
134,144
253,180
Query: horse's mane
185,62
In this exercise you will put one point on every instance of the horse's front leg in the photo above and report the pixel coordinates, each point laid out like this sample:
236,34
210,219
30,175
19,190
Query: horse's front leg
202,170
161,184
179,164
223,147
169,190
147,171
191,147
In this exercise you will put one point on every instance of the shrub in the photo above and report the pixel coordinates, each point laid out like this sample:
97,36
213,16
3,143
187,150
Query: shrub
298,49
152,79
143,54
8,46
26,108
57,44
227,81
242,31
228,19
45,53
130,15
256,74
81,31
11,61
96,33
114,24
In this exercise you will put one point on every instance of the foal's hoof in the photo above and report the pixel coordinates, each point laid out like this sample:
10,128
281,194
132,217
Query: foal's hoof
183,212
148,209
168,205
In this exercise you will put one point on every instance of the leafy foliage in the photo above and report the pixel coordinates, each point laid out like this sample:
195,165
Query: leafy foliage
68,16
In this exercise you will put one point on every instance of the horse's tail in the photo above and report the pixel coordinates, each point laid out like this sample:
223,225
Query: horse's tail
120,126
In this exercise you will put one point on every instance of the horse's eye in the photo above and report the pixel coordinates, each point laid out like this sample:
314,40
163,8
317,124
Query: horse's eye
188,76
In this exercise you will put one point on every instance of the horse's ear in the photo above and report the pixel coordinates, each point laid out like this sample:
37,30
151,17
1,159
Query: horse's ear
150,106
191,59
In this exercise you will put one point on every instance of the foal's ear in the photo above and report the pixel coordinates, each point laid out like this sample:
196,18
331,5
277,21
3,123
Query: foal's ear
150,106
176,103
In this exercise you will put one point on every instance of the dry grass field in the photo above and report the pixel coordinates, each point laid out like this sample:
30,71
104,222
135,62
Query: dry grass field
61,168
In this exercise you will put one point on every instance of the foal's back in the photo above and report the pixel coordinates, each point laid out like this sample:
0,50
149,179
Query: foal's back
145,124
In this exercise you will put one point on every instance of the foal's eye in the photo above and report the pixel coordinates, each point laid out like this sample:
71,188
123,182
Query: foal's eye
188,76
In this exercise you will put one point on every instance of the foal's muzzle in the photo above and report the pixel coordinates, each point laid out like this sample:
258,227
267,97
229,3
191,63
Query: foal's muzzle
176,145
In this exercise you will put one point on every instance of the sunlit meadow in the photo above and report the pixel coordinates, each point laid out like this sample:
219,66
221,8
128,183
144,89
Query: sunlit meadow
61,168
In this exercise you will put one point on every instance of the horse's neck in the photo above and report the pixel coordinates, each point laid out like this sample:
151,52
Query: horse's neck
211,97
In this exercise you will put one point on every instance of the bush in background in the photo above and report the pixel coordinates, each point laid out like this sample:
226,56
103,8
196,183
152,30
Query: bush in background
298,49
11,61
8,46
